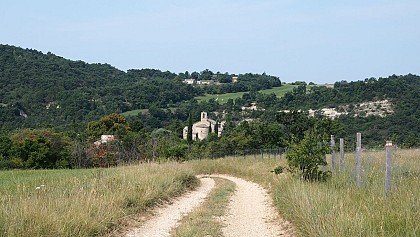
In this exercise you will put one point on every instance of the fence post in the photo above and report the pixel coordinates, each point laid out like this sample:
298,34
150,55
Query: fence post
358,158
388,167
333,152
341,154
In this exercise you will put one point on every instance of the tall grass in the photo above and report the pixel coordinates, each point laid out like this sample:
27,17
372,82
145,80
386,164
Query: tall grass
96,201
84,202
338,207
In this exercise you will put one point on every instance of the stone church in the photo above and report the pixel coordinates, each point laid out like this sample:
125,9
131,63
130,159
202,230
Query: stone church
200,130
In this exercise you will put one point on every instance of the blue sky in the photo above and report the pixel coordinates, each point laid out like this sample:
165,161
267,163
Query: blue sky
319,41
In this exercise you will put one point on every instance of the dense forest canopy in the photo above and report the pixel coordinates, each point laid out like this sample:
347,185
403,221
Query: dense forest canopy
38,90
53,109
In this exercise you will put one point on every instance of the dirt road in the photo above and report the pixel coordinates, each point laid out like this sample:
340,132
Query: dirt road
167,217
250,212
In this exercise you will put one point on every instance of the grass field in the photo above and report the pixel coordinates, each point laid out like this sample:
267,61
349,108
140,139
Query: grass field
94,202
88,202
133,112
137,111
223,98
338,207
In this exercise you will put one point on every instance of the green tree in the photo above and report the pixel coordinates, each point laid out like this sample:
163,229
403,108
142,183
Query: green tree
306,156
113,124
189,132
41,148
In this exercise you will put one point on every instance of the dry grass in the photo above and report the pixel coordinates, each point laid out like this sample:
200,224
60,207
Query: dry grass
206,220
84,202
338,207
97,201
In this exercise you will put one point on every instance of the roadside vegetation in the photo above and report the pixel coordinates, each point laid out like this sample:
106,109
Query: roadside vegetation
90,202
337,207
85,202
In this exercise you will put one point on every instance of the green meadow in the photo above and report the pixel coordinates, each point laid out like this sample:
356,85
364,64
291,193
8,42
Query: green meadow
223,98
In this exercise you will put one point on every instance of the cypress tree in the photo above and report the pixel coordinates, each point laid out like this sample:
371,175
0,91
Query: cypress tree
189,132
216,128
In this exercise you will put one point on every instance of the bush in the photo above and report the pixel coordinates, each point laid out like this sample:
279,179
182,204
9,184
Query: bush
39,149
278,170
305,157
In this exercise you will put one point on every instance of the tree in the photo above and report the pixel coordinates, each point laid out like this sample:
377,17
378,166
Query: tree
306,156
113,124
189,132
41,149
216,128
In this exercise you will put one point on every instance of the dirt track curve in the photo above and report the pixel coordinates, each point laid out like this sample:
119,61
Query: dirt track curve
250,212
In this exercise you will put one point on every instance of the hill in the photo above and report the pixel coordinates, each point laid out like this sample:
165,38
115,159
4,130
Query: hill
44,90
380,108
40,90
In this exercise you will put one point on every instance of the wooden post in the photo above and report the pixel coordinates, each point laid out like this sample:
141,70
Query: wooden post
388,167
358,158
333,153
341,154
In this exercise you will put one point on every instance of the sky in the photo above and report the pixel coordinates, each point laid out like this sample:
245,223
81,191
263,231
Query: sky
321,41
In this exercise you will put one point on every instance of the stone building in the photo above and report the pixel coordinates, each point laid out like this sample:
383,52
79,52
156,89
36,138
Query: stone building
200,130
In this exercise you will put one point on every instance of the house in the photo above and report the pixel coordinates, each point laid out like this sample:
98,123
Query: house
206,82
200,130
252,107
105,139
235,79
190,81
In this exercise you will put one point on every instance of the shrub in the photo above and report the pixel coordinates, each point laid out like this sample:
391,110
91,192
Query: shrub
278,170
39,149
305,157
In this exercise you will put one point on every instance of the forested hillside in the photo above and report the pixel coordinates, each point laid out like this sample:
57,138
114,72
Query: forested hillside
45,90
403,92
53,112
40,90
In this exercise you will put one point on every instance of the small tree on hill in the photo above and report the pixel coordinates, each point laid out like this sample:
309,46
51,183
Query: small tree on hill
189,132
305,157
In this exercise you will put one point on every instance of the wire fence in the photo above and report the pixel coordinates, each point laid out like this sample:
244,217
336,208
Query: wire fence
388,166
256,153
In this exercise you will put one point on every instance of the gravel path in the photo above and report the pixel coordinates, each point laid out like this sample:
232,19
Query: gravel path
168,217
250,213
